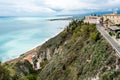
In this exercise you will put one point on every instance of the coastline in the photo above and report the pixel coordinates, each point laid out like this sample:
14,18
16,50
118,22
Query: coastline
23,55
35,49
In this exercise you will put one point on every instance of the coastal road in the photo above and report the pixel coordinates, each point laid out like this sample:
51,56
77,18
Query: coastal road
114,44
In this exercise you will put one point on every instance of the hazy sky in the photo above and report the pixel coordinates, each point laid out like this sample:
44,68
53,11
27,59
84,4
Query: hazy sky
51,7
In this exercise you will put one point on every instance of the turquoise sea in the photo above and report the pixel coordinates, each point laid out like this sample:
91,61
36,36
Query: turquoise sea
21,34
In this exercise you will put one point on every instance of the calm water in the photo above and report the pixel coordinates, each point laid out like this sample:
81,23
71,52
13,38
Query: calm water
18,35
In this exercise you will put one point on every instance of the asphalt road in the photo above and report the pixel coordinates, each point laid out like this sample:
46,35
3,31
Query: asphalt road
114,44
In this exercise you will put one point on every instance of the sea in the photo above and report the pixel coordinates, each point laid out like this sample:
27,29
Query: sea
21,34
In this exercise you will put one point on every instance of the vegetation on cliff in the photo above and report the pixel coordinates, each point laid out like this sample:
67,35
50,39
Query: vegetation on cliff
77,53
4,73
85,55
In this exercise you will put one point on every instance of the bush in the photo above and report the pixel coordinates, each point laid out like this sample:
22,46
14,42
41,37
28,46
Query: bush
94,36
43,62
118,35
117,25
29,77
110,75
23,68
4,73
110,33
85,29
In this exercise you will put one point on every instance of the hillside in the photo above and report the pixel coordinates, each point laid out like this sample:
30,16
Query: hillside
77,53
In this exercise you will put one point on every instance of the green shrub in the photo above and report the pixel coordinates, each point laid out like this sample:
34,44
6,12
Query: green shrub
29,77
118,35
94,36
43,62
110,33
4,73
110,75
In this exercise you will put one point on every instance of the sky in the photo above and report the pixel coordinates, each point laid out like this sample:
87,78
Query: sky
54,7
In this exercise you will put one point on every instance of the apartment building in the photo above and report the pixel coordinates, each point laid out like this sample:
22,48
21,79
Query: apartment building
114,18
91,19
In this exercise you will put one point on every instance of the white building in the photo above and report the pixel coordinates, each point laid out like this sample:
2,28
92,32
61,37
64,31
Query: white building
92,19
114,18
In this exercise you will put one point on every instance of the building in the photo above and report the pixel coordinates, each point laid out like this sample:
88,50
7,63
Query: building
113,18
30,58
91,19
114,30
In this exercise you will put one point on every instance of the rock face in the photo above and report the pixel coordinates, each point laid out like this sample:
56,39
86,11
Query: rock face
23,68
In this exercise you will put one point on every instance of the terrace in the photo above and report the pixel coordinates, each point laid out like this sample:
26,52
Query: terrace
114,30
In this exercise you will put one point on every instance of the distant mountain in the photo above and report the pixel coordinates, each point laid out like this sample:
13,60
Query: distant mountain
90,12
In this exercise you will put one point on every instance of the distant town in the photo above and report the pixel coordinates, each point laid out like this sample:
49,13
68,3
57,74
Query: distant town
109,27
111,23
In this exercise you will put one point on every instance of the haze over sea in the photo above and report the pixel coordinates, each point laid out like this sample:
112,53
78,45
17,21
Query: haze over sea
21,34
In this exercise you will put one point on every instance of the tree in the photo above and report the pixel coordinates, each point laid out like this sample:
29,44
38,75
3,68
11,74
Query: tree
108,22
23,68
94,36
4,73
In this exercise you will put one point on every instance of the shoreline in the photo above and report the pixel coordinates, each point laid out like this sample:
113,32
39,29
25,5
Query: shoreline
23,55
33,50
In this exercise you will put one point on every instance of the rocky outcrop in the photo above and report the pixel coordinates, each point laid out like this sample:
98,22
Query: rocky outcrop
23,68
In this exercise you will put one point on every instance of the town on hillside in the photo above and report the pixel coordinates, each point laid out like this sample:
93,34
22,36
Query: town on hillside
109,27
110,22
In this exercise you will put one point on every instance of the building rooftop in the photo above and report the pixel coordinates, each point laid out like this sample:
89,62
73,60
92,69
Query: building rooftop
29,58
92,17
114,14
114,28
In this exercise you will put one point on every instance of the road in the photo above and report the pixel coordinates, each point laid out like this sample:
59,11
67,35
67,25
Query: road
114,44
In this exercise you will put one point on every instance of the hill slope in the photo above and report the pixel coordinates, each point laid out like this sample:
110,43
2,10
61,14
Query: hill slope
79,53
